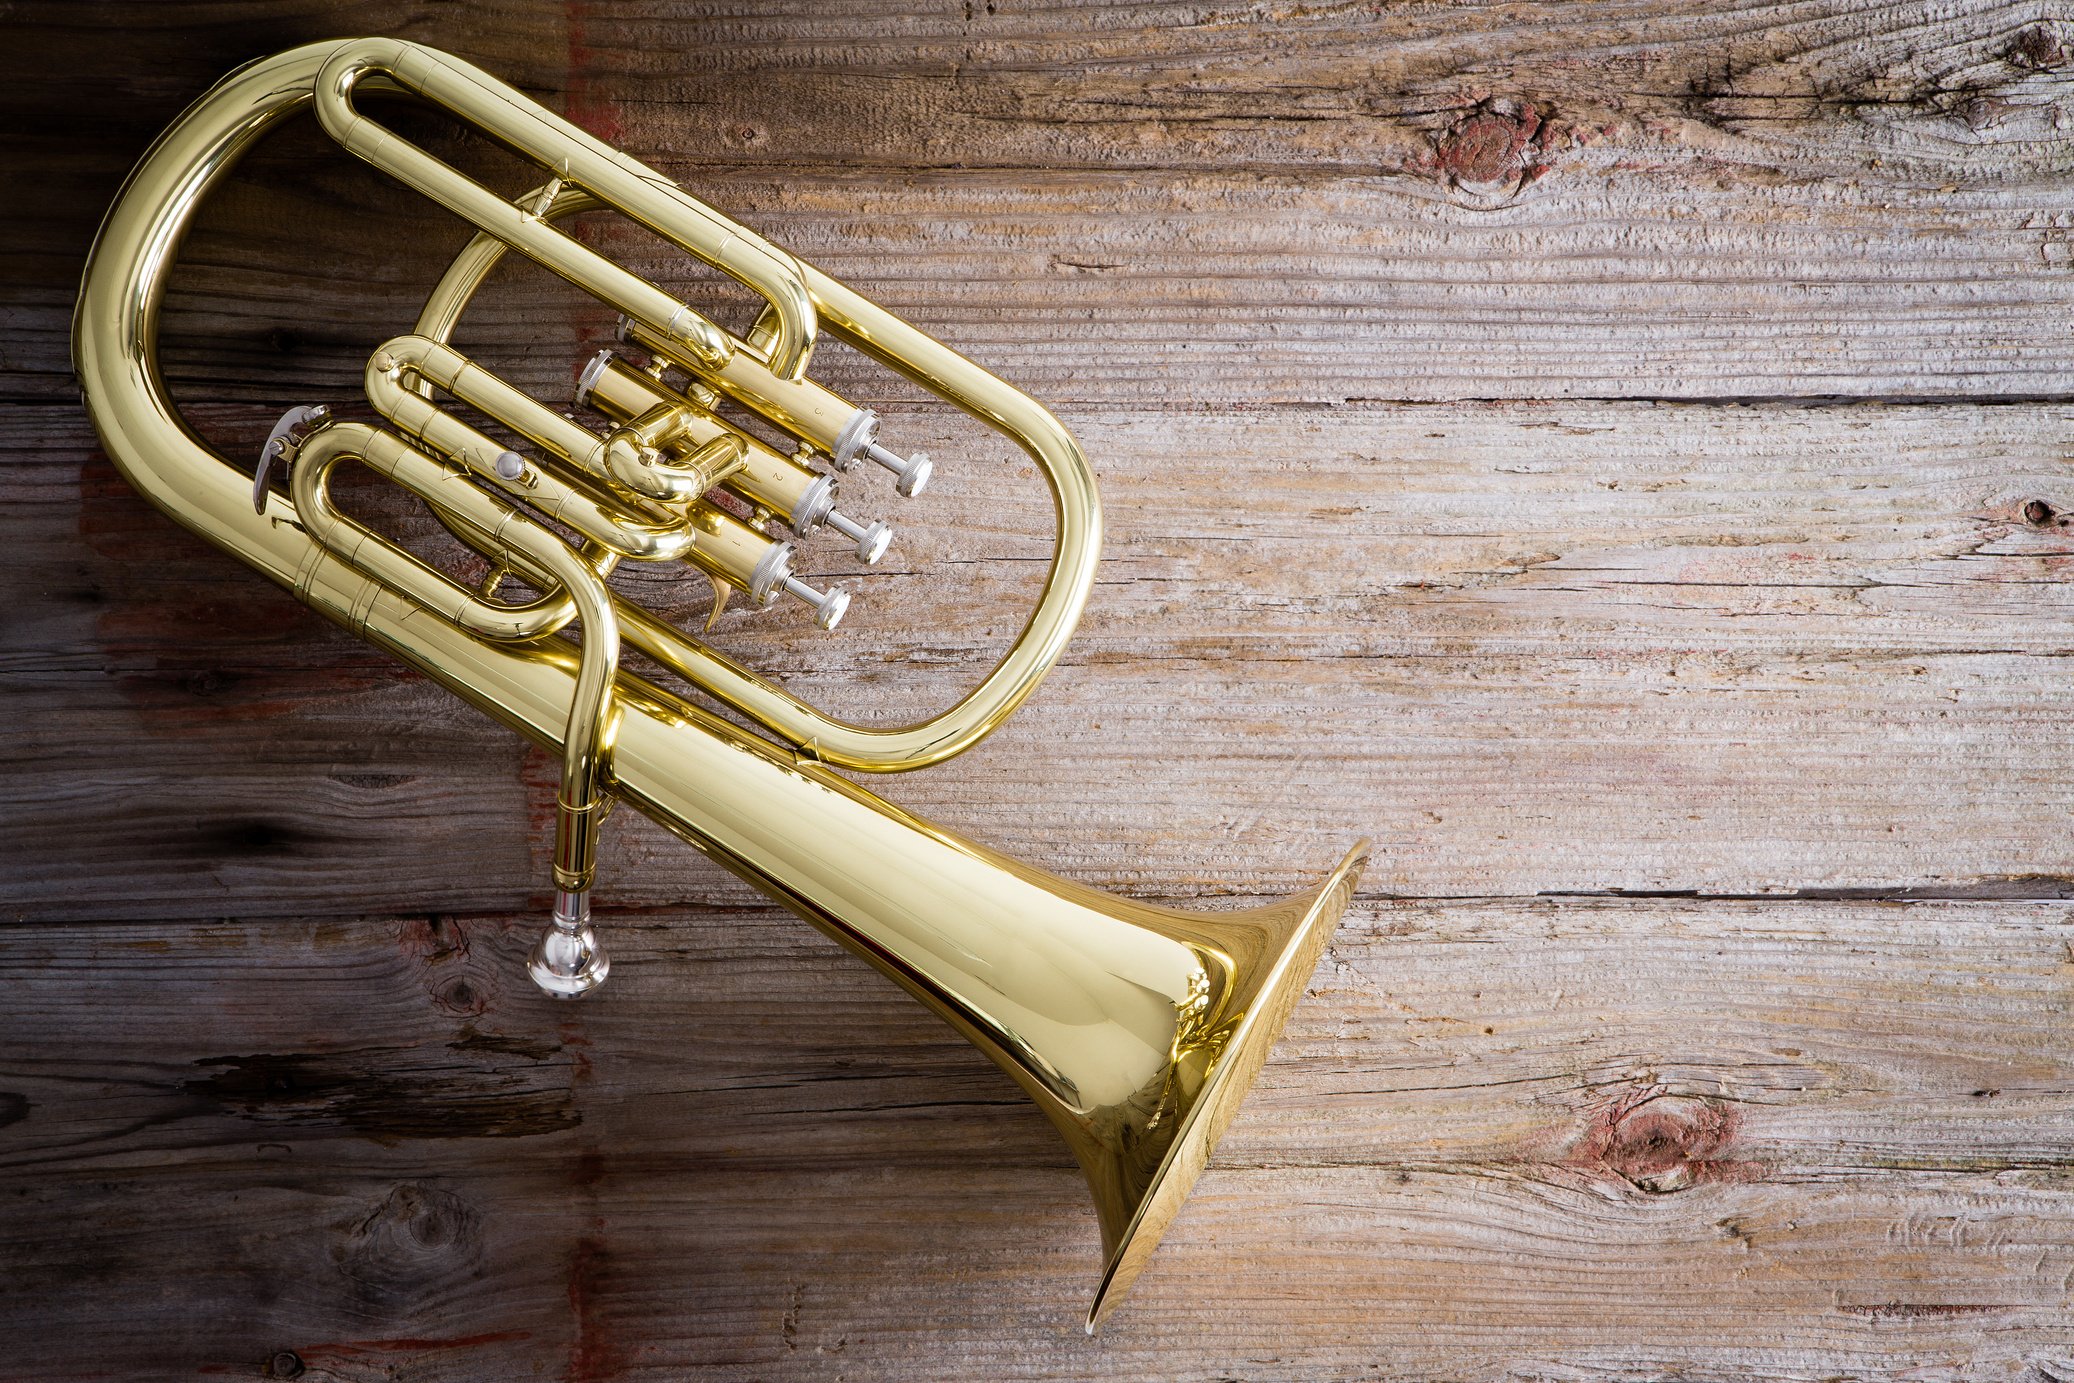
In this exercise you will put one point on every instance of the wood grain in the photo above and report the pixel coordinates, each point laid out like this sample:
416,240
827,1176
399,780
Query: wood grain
1614,454
1275,203
1498,1134
1528,648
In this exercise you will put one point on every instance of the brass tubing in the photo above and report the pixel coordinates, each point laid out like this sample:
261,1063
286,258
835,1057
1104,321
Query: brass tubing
775,481
473,384
351,541
654,537
633,454
611,460
807,410
1076,507
552,142
586,738
738,554
905,349
1135,1028
708,537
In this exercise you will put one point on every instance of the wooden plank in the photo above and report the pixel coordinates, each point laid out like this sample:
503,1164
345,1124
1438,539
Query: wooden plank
1144,290
368,1142
1528,648
1449,201
1803,659
1334,89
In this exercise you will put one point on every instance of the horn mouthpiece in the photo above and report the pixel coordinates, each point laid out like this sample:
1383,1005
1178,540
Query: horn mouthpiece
568,961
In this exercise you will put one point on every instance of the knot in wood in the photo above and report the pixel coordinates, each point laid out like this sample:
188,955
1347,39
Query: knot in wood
1495,150
1664,1143
459,982
2038,48
419,1236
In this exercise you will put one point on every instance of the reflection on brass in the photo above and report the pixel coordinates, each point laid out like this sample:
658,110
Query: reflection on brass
1135,1028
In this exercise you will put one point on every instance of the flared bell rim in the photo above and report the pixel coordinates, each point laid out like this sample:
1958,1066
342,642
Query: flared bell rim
1228,1083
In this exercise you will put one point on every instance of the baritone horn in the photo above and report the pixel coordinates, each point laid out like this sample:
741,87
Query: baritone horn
1135,1028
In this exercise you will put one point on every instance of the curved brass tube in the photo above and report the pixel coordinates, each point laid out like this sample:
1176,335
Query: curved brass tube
633,187
399,390
587,734
351,542
629,527
1076,507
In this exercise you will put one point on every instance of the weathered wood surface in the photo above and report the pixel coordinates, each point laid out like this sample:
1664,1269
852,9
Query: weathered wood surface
278,1097
1564,1139
1528,648
1270,202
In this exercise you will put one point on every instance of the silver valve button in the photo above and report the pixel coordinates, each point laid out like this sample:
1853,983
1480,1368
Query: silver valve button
828,606
871,539
911,473
856,435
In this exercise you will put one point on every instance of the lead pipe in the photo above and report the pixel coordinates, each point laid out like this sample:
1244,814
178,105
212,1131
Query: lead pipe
586,741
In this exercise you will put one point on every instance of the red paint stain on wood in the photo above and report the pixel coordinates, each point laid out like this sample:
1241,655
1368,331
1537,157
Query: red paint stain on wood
540,784
577,1045
1500,146
433,940
195,643
540,773
1931,1311
587,103
593,1357
590,1169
